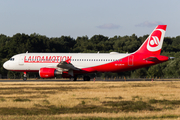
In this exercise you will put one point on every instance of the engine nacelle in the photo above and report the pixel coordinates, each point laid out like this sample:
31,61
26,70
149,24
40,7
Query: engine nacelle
47,72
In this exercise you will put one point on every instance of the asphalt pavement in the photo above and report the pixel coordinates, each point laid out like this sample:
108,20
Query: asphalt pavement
68,80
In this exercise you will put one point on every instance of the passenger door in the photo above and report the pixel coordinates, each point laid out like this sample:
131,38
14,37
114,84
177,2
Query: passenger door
21,60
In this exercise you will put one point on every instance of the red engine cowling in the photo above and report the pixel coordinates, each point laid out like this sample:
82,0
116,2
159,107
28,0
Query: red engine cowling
47,72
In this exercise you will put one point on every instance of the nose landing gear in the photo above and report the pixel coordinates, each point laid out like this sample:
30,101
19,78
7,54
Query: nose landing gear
25,76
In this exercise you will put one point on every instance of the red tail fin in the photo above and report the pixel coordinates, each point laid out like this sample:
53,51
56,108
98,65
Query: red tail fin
153,44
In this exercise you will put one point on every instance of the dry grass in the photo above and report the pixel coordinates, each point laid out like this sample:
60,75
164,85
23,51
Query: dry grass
90,100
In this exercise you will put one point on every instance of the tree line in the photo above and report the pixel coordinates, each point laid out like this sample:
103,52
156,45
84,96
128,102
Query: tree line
20,43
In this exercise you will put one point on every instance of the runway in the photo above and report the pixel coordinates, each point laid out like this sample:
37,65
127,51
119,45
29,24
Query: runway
68,80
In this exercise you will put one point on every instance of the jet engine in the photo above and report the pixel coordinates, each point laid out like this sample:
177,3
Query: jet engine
48,72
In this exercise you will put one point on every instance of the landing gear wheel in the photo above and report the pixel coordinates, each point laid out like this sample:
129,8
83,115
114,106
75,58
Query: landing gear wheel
75,78
86,78
25,76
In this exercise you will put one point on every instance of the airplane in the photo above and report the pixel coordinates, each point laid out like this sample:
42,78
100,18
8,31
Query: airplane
71,65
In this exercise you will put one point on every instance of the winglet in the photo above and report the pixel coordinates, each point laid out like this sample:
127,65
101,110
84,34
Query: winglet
68,61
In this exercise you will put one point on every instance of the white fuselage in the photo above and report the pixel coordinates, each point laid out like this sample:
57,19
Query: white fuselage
35,61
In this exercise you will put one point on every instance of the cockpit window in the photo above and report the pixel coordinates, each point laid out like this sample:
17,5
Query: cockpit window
11,59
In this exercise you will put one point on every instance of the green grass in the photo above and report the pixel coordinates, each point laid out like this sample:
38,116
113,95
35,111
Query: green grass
95,99
165,102
46,102
109,107
2,99
83,102
128,106
21,100
136,97
114,97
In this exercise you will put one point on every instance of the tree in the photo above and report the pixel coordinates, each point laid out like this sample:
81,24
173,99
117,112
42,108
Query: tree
139,73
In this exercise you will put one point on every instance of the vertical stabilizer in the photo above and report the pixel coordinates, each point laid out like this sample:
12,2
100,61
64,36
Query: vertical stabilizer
153,44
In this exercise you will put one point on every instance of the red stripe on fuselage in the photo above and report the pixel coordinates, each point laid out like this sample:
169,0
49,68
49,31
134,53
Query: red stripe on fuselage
25,70
138,61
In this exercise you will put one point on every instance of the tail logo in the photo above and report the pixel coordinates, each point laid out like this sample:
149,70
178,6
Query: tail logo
155,40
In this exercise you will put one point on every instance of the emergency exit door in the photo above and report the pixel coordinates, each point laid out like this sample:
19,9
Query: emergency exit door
21,60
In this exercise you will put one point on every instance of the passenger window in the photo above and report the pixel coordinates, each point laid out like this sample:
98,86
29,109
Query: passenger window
11,59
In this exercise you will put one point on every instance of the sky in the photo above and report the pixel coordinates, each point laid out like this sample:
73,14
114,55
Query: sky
54,18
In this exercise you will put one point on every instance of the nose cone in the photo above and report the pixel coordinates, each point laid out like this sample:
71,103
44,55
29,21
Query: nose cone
5,65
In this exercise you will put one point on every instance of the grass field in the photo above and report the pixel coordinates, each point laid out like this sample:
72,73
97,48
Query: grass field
90,100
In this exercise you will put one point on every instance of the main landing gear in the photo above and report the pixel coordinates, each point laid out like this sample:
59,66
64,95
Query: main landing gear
75,78
85,78
25,76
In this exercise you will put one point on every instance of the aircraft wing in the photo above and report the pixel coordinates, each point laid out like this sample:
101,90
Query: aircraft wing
67,65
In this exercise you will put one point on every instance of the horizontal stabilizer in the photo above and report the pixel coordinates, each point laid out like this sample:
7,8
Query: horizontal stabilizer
151,59
157,58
